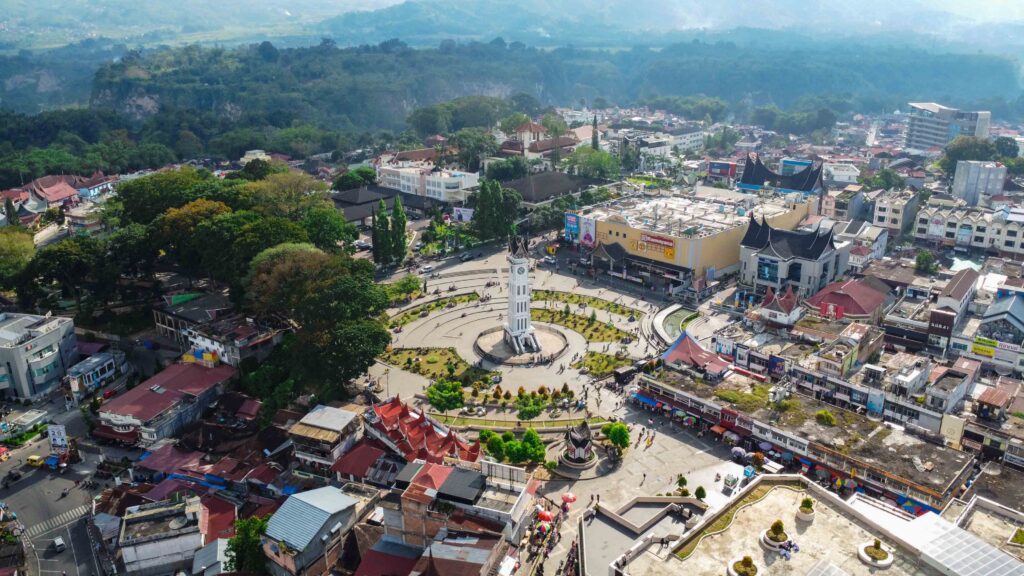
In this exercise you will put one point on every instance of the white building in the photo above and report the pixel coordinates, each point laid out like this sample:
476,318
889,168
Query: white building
895,210
1002,229
687,139
251,155
976,180
35,353
933,125
322,436
840,175
423,179
519,330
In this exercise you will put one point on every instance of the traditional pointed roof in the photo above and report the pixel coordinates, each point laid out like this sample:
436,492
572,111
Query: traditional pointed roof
579,435
518,247
755,173
785,303
418,437
787,244
687,351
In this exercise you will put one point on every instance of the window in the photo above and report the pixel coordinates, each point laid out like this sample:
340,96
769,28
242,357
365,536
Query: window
980,228
883,209
950,234
922,230
960,346
894,220
979,239
922,220
1011,233
1009,243
950,224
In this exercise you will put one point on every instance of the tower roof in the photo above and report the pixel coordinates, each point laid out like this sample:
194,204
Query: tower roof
518,247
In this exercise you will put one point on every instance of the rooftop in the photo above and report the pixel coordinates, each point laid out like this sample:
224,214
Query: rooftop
160,520
18,329
683,216
303,515
324,423
199,308
162,391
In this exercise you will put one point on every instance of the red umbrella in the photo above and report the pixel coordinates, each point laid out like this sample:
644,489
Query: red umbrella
568,497
545,516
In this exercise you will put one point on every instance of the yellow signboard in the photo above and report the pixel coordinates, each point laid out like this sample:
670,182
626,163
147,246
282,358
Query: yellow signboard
986,341
983,350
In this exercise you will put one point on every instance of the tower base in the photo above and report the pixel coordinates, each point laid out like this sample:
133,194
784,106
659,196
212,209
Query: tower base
523,343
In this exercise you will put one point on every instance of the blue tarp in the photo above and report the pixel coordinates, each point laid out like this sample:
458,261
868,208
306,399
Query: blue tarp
289,490
645,400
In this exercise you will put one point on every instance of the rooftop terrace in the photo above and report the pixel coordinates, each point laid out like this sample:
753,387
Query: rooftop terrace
684,216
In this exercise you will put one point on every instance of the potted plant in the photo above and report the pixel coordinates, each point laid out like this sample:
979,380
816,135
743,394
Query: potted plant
743,567
806,510
774,535
875,554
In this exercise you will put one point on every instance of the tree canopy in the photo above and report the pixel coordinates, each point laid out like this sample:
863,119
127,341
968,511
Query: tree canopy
245,548
445,395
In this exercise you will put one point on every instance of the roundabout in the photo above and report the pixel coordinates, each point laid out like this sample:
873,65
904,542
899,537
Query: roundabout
491,346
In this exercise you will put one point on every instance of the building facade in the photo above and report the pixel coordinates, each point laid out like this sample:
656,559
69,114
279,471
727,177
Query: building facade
999,230
323,436
35,354
447,186
932,125
775,258
974,181
895,210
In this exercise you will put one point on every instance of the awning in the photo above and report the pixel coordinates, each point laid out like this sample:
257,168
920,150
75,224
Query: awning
805,461
787,456
717,429
765,445
104,431
732,435
644,400
822,473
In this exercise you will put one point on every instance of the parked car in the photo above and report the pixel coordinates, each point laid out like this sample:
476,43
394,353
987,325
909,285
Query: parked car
550,260
466,257
35,460
110,393
426,269
362,245
59,545
417,246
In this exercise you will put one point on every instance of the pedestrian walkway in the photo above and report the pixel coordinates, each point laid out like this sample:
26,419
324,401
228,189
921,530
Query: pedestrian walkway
58,522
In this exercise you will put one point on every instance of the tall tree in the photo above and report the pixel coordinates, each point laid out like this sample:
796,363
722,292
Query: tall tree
375,236
288,194
398,231
445,395
16,251
595,137
11,212
326,227
966,148
245,548
383,234
176,230
1006,147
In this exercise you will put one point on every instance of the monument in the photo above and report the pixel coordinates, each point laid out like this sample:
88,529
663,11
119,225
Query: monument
519,335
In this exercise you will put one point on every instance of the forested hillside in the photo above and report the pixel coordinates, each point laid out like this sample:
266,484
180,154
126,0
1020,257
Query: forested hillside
376,87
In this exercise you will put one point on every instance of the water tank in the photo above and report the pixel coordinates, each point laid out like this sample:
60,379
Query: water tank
741,211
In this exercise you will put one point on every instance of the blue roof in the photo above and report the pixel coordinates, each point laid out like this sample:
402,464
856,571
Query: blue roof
303,515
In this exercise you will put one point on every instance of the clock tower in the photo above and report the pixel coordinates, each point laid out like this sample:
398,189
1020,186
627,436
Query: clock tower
518,330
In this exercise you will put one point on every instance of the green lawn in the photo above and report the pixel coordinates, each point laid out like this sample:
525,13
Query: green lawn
433,363
751,401
590,301
1018,537
592,331
421,311
600,364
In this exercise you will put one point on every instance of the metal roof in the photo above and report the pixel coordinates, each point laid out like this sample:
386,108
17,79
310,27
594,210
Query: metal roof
953,550
328,418
303,515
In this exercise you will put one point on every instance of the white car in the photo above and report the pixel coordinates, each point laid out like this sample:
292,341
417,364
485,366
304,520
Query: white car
427,268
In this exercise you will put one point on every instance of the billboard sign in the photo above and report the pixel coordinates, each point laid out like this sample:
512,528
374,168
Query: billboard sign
722,169
572,224
463,214
58,437
776,366
659,240
588,231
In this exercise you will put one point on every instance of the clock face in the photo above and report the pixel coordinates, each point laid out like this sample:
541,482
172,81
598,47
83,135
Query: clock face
521,270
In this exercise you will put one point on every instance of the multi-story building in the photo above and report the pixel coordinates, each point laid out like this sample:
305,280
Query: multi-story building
163,405
687,138
642,239
933,125
35,353
305,536
838,175
807,181
448,186
160,537
84,219
895,210
843,204
776,258
184,312
97,371
235,338
864,234
975,181
1001,230
995,338
323,436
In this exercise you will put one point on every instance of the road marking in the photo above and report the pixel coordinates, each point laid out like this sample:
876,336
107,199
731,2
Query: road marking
74,555
57,522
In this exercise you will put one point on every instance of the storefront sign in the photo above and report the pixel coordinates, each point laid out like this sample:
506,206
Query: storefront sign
588,231
572,224
983,350
659,240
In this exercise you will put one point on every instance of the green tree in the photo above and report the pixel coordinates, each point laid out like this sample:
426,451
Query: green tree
445,395
408,285
16,251
595,136
11,213
176,231
145,198
925,262
133,249
245,549
514,120
966,148
326,227
399,239
617,434
700,493
883,179
533,446
592,163
288,194
431,120
358,178
1006,147
474,144
508,169
382,235
530,406
496,447
77,264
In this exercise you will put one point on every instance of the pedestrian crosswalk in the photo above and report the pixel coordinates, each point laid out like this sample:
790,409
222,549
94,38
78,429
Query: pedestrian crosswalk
57,521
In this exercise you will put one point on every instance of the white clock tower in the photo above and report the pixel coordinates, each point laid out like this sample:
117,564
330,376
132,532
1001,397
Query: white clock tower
518,331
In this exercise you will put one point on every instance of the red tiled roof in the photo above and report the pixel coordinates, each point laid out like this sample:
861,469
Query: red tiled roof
104,431
420,155
531,127
549,143
860,251
168,459
378,563
176,381
357,461
263,473
687,351
855,296
432,476
785,303
171,486
994,397
249,409
416,437
217,518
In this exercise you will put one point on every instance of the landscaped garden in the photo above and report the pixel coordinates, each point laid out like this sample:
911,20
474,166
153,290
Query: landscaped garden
600,365
590,301
590,328
424,310
434,363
